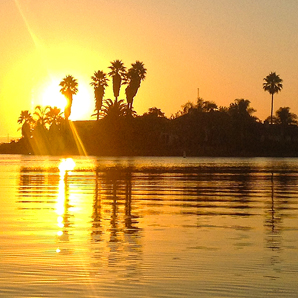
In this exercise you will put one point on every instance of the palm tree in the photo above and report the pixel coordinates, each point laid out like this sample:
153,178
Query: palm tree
272,84
187,107
209,106
99,82
55,120
113,110
205,105
118,71
26,120
54,116
25,117
241,109
134,76
155,112
68,88
285,117
41,115
40,133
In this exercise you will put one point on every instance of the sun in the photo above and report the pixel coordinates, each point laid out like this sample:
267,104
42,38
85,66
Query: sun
52,97
82,105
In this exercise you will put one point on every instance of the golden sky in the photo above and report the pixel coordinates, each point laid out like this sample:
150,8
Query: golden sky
223,47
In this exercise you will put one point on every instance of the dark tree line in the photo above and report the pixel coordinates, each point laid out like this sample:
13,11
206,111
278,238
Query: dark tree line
198,129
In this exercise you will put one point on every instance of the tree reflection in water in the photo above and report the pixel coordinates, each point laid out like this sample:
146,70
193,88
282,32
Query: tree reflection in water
134,220
114,227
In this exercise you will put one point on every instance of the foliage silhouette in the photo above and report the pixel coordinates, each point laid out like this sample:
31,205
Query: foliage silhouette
198,129
113,109
99,82
54,116
41,114
154,112
134,76
118,73
273,84
227,131
284,117
68,88
26,120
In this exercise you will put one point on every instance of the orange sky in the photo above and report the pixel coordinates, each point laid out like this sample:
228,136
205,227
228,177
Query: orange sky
223,47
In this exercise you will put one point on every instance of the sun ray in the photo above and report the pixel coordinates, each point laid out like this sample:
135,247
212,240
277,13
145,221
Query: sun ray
79,143
35,39
50,94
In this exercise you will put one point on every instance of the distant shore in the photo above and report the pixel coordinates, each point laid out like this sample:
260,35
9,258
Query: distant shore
157,136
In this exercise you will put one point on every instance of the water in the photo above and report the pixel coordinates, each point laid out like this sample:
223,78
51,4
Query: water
148,227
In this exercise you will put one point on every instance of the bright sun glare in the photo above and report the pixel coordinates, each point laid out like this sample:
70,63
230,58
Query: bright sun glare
52,96
67,164
82,101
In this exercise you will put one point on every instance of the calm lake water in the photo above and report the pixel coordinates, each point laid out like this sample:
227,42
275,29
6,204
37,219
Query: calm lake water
148,227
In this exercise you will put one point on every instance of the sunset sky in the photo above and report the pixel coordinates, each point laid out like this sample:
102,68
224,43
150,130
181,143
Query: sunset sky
223,47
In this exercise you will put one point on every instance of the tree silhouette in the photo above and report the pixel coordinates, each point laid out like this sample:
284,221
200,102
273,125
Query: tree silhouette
209,106
205,106
285,117
201,106
240,108
272,84
26,120
40,143
54,116
187,107
134,76
113,110
155,112
68,88
41,114
55,120
242,129
118,72
99,82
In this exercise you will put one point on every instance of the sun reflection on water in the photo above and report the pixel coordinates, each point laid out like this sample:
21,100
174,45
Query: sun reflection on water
65,166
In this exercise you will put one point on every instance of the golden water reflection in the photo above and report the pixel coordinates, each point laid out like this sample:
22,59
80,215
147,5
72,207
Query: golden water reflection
63,199
146,223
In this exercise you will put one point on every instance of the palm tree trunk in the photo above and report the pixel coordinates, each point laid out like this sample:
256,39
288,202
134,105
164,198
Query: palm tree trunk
97,115
271,108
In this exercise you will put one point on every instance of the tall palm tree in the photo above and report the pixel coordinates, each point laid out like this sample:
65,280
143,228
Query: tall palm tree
134,76
272,84
118,71
68,88
99,82
26,120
